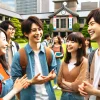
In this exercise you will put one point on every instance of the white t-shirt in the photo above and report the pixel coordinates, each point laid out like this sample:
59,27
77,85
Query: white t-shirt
71,66
41,93
96,74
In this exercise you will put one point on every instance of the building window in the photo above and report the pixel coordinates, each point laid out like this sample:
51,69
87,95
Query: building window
81,20
63,23
57,23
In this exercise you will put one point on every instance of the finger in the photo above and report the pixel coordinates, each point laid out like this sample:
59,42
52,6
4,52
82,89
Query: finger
82,92
37,75
86,83
23,77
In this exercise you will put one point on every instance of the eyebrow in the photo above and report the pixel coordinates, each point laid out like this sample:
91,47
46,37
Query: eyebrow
91,22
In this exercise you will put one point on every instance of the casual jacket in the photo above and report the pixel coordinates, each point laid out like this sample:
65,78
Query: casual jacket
90,74
7,82
16,71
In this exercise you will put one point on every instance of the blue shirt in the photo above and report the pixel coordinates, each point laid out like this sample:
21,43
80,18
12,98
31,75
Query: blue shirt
16,71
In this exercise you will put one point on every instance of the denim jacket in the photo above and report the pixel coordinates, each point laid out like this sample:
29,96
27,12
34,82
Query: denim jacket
6,85
16,71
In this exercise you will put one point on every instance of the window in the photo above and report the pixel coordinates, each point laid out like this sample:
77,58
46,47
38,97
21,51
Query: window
81,20
57,23
63,23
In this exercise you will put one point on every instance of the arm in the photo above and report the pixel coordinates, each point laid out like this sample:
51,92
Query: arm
18,86
81,76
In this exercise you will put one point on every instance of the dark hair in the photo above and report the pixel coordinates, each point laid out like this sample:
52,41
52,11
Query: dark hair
2,57
88,39
5,25
46,36
95,14
79,38
27,24
59,40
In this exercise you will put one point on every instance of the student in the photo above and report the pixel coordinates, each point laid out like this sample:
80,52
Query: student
46,40
18,86
40,88
57,48
93,75
6,82
88,46
73,69
12,46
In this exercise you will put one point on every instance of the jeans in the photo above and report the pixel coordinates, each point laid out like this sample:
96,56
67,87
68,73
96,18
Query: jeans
71,96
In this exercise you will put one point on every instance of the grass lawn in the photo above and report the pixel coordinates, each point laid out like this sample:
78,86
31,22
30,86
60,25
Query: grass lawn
58,92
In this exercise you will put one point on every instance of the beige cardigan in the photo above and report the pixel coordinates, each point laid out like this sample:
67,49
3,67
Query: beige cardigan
75,76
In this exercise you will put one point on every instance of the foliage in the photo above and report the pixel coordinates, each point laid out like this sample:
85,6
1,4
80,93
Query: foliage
84,31
76,27
50,29
17,24
45,28
21,40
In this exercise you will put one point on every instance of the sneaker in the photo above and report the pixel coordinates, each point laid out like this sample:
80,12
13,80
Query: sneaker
58,88
55,87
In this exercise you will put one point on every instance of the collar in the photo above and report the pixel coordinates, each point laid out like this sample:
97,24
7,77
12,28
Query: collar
29,49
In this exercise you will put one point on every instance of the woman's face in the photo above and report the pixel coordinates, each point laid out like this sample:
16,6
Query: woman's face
3,43
55,40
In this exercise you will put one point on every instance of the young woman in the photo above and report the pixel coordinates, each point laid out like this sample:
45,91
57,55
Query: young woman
57,48
73,69
88,46
6,82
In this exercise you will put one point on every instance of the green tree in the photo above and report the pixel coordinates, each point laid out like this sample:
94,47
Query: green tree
76,27
45,28
84,31
17,24
50,29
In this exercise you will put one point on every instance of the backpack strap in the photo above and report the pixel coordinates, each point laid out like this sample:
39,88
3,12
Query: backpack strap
90,58
48,56
23,60
17,46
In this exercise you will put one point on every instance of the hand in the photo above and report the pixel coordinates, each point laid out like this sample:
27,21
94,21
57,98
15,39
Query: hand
81,90
88,88
51,75
38,79
20,84
66,84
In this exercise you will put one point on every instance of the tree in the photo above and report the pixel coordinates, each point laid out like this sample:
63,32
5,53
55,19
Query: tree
84,31
50,29
76,27
17,24
45,28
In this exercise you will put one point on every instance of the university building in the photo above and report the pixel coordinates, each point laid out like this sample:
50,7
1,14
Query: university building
64,16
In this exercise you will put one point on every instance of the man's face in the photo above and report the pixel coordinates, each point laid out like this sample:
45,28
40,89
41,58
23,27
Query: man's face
35,35
94,30
10,32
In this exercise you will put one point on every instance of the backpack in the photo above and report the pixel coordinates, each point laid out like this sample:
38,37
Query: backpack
17,46
90,58
24,61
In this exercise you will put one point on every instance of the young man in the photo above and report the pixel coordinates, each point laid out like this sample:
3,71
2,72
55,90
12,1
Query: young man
37,68
46,40
93,21
12,46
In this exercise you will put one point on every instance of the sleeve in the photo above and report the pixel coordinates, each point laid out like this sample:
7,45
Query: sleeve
1,99
81,76
0,86
53,63
60,75
16,70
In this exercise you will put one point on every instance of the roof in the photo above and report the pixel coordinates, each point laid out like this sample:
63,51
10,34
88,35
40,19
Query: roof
83,13
9,13
64,8
39,15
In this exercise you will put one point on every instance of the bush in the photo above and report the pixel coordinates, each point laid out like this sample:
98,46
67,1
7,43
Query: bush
20,40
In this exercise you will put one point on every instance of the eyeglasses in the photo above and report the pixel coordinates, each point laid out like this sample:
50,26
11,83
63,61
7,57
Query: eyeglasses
11,29
35,29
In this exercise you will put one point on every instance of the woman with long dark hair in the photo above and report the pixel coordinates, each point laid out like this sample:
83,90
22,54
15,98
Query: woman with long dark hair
73,69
